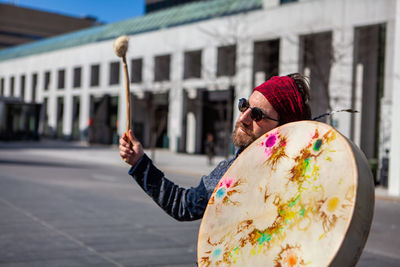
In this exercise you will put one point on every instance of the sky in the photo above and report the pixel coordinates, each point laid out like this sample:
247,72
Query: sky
106,11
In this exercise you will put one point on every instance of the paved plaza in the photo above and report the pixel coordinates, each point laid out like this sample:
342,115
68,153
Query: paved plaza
68,204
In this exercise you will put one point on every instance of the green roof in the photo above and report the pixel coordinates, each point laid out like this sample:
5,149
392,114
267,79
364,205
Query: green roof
175,16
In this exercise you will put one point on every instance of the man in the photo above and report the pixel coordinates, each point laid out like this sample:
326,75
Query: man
278,101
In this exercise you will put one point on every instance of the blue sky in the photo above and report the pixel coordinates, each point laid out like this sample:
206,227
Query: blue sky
104,10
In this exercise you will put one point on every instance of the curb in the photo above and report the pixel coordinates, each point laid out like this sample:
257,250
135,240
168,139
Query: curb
387,198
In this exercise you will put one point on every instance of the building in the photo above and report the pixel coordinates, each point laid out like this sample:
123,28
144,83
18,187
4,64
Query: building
19,25
190,64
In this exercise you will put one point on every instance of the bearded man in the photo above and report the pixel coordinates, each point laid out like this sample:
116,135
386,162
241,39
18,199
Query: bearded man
278,101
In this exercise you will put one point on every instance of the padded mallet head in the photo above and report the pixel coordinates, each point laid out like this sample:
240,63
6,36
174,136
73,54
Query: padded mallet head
121,45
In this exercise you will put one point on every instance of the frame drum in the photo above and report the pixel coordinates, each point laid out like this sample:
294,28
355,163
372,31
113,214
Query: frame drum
300,195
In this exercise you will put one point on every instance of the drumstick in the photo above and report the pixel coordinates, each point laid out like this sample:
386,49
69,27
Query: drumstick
120,48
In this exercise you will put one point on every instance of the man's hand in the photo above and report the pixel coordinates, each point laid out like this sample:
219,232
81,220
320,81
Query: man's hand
130,148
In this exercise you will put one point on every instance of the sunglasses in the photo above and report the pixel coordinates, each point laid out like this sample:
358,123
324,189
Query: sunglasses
256,114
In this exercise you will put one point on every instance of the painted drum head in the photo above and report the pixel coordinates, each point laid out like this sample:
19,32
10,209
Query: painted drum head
301,195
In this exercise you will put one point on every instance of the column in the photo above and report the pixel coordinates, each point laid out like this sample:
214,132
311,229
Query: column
244,67
288,54
175,108
209,65
190,132
84,114
6,85
67,95
17,85
67,120
358,96
341,76
40,86
52,100
28,87
393,58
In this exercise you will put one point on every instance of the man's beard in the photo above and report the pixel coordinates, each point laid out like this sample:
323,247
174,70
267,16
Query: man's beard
240,139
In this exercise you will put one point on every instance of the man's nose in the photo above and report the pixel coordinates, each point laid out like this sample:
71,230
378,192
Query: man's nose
245,117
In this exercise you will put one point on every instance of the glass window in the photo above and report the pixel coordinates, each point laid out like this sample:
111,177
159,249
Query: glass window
162,68
94,75
77,77
22,87
61,79
114,73
12,86
2,87
192,67
287,1
34,86
136,73
46,80
226,65
265,60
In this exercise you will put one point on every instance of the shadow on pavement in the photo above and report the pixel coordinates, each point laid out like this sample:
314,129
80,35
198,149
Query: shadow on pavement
42,164
51,144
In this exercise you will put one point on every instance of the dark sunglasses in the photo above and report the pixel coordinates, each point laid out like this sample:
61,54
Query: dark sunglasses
256,114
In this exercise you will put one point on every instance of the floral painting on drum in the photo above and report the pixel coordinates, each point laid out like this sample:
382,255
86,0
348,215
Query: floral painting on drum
292,205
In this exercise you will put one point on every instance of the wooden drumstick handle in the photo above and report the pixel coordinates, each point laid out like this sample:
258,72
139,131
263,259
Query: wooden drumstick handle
120,48
128,96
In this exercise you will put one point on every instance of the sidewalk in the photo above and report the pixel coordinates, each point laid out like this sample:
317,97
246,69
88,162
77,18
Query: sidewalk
186,164
383,194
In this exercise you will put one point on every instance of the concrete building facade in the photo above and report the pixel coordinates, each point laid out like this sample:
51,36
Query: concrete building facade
191,63
20,25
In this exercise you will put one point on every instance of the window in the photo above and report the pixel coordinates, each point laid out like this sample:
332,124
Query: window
12,86
162,68
192,65
34,85
226,65
77,77
22,87
316,56
46,80
114,73
265,60
287,1
75,118
136,73
2,87
94,75
61,79
46,128
60,117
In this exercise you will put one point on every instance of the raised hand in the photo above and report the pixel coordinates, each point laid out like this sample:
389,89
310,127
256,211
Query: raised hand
130,149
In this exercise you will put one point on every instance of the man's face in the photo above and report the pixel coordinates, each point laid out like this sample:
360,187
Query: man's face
246,129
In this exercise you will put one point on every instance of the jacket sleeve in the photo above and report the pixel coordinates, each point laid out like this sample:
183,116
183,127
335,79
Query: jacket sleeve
180,203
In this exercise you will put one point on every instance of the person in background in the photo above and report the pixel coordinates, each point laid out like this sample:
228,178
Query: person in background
209,148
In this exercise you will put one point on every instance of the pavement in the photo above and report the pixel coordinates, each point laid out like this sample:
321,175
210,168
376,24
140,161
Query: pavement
166,160
86,211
